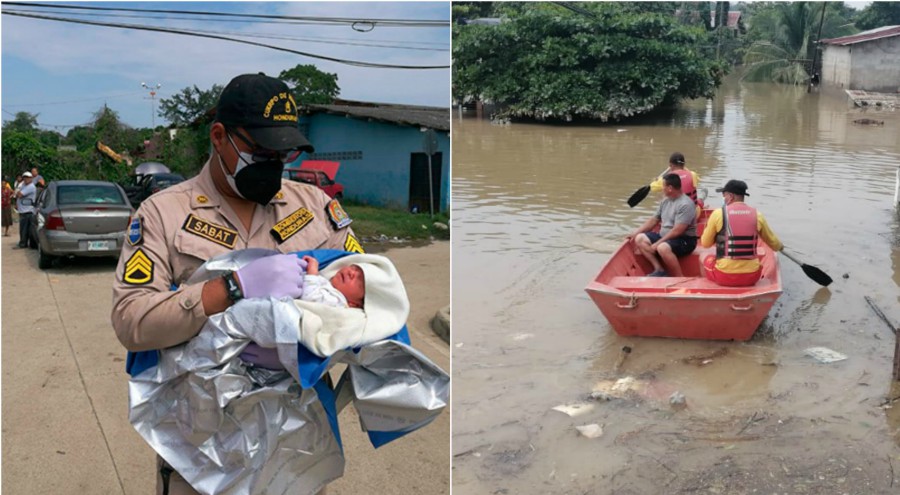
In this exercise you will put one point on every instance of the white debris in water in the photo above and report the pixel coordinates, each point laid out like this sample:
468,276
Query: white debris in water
624,384
590,431
825,355
621,130
522,336
576,409
677,399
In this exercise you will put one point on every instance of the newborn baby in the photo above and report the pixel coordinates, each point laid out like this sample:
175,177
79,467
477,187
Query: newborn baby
356,300
347,288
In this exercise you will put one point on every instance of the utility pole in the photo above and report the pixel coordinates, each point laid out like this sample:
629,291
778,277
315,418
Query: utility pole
152,101
816,50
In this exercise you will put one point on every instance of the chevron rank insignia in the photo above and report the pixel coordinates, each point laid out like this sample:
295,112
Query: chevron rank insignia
291,224
353,245
138,269
135,231
216,233
339,218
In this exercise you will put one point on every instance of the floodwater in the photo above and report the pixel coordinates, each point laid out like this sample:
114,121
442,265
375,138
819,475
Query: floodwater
539,208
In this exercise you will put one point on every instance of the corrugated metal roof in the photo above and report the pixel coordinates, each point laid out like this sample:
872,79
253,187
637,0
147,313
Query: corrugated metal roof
870,35
437,118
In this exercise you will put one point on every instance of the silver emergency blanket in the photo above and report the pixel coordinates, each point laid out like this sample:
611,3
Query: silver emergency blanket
230,428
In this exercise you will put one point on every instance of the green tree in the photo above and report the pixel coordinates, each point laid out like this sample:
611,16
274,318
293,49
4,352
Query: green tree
22,151
785,35
604,62
22,122
878,14
310,85
189,104
186,153
461,11
82,137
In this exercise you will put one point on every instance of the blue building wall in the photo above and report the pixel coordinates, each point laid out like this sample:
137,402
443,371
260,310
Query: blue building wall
374,156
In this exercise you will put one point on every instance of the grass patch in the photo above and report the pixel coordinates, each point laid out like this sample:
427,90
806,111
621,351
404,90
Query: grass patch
371,221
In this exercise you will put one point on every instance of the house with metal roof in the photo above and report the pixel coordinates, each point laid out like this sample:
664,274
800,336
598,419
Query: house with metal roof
382,149
868,61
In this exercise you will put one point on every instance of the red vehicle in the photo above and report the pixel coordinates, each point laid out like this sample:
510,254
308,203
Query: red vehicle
318,173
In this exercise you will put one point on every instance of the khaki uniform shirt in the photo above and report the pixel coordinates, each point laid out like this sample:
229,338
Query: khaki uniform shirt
189,223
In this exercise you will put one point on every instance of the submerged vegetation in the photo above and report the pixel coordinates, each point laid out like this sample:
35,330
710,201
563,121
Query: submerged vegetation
613,60
604,62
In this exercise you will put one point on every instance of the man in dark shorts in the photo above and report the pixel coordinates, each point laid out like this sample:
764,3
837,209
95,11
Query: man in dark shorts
677,237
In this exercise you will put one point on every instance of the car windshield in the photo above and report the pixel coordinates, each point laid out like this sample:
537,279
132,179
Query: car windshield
92,193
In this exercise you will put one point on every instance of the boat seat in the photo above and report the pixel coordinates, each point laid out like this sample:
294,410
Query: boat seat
676,285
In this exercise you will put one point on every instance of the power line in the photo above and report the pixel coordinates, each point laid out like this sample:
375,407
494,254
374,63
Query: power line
70,101
319,39
196,19
355,63
339,20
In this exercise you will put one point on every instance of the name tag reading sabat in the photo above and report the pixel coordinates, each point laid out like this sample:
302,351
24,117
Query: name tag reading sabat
215,233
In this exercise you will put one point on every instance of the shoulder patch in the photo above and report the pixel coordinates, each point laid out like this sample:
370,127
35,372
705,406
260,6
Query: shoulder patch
215,233
337,215
352,244
135,231
202,199
291,224
138,269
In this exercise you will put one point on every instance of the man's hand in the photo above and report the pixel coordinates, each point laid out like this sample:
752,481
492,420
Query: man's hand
632,235
263,357
278,276
312,265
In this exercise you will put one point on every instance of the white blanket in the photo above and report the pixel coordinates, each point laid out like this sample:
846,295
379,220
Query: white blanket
325,330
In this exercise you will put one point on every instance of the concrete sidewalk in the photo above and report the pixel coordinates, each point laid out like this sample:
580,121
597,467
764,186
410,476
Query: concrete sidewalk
65,405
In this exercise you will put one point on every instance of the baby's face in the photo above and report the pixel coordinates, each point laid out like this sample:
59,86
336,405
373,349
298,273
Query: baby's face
351,282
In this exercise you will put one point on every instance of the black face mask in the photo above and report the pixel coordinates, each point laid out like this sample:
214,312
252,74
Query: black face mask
257,181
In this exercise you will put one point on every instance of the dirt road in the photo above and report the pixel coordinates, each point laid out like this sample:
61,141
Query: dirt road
65,406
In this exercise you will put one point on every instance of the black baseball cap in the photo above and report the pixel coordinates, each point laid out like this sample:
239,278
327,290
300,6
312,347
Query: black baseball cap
738,187
265,108
676,158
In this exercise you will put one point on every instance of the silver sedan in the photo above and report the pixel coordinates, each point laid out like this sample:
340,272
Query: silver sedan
80,218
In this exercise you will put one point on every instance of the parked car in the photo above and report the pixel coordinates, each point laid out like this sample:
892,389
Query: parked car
79,218
318,173
145,185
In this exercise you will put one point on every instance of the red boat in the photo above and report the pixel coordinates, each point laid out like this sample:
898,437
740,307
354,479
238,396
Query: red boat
689,307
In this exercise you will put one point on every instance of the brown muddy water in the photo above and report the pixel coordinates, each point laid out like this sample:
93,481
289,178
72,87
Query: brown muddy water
539,208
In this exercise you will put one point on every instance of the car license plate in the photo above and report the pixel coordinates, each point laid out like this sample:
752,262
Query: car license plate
98,245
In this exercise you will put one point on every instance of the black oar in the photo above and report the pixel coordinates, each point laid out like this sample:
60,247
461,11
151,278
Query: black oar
812,272
640,194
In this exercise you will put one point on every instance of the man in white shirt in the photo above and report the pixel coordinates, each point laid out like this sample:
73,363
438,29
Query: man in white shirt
25,206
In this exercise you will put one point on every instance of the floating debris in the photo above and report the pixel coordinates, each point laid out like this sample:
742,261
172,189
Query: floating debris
703,360
623,354
590,431
824,355
576,409
868,122
677,400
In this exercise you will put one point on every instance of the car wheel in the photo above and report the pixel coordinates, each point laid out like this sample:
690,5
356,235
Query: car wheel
45,260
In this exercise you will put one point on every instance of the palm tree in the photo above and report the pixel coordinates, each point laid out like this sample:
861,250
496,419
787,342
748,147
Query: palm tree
786,42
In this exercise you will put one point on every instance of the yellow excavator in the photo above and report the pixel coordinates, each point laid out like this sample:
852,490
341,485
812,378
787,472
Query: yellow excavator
106,150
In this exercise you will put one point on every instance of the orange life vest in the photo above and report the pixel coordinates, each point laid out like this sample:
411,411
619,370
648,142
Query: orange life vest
739,234
687,183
